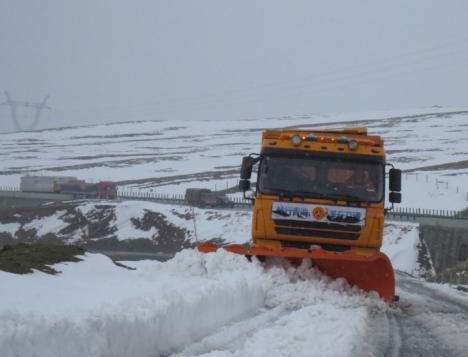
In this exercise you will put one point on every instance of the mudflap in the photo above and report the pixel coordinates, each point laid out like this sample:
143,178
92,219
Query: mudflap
368,272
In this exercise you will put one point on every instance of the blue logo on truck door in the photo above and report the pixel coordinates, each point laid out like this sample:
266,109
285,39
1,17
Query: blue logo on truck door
291,211
336,215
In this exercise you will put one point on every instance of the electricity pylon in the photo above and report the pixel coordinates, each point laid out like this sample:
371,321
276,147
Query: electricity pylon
14,104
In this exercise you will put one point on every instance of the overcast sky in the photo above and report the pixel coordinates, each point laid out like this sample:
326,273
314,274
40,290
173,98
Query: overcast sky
104,61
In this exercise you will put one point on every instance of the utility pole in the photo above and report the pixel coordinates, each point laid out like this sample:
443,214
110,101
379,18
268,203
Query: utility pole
194,223
14,104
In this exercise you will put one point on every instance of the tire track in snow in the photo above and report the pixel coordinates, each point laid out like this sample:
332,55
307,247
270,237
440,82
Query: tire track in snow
441,320
412,285
426,322
414,339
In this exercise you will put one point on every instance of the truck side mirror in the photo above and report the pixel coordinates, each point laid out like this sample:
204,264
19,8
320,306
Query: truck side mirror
394,197
246,168
395,180
246,172
244,185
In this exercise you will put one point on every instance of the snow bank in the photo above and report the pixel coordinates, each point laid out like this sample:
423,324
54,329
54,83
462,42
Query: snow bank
97,309
320,317
94,308
400,244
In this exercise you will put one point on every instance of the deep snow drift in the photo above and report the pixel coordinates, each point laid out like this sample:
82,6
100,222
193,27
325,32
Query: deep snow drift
190,305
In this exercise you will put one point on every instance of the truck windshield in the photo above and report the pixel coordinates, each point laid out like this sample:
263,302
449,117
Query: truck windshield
336,178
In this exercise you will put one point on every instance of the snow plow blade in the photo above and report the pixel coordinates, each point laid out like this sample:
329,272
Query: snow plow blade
368,272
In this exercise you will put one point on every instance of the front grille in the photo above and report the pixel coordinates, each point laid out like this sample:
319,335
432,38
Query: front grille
319,225
307,245
316,233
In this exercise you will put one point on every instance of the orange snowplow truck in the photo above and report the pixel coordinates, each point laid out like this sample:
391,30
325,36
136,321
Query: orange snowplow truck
320,194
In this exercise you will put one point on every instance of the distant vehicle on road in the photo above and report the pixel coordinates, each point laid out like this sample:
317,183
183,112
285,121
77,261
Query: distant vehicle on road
69,185
203,197
43,183
82,189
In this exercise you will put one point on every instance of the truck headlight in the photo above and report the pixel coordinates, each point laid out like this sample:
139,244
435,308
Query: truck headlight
353,145
296,140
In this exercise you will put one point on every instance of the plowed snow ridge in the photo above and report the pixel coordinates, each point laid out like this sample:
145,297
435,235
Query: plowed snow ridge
211,305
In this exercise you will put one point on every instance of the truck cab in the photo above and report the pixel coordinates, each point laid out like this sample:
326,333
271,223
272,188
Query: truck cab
320,196
319,188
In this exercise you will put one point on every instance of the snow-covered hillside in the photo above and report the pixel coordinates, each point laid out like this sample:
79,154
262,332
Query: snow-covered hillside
168,229
128,225
169,156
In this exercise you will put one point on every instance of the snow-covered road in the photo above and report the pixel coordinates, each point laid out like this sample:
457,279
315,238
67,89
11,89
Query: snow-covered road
429,320
433,321
221,305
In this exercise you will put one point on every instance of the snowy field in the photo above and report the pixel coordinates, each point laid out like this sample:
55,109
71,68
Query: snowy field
196,304
169,156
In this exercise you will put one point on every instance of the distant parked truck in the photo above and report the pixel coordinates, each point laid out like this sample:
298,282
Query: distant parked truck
69,185
203,197
82,189
43,183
